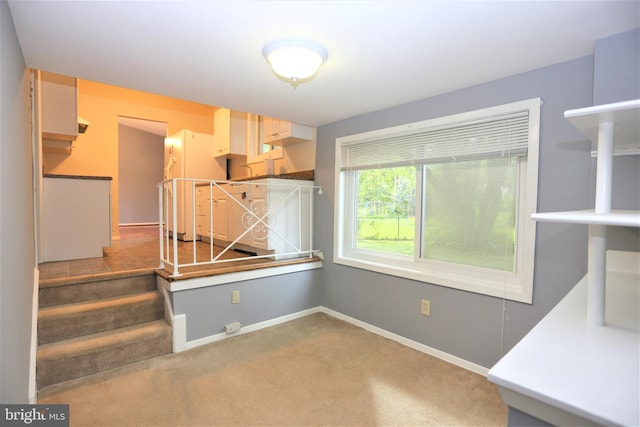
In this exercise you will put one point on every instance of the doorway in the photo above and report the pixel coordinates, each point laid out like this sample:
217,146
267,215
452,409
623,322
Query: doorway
140,169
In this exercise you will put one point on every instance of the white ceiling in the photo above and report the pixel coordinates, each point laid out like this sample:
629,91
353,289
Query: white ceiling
381,53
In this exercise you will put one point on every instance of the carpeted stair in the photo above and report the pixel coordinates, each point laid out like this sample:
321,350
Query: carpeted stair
96,323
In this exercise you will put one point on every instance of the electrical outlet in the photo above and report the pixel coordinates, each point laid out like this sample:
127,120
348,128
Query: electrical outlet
235,297
232,327
426,307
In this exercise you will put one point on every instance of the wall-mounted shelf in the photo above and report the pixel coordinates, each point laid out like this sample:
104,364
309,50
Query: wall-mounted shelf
622,218
625,115
613,127
579,365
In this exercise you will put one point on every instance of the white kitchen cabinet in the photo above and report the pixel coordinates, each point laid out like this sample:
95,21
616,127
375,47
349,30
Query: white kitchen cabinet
59,97
59,109
282,133
212,214
76,217
277,214
203,216
230,133
220,230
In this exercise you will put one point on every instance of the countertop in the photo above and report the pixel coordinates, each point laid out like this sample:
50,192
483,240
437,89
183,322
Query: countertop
104,178
578,369
302,175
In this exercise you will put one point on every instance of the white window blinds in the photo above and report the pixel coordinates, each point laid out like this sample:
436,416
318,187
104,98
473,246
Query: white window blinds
479,134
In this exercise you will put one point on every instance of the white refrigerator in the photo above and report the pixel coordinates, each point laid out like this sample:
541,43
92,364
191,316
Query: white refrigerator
188,155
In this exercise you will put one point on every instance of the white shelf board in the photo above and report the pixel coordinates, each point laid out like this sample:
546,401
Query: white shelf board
626,116
567,369
616,217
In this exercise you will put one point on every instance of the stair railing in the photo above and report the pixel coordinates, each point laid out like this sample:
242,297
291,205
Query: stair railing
277,224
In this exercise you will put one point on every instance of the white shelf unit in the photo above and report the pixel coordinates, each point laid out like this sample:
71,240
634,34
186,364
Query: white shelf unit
620,218
580,364
568,372
614,128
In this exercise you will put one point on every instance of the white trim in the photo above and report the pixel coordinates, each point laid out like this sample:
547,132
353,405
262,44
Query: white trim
180,322
33,387
138,224
454,360
179,325
246,329
163,286
516,286
221,279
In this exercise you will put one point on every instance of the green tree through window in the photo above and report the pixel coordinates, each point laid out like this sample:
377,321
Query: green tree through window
470,212
386,209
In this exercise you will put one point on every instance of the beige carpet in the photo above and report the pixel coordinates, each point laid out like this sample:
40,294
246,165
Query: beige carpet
316,370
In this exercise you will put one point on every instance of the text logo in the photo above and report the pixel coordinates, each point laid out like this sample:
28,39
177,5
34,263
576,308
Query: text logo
34,415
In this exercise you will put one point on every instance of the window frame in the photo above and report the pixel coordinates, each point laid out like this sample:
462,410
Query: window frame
254,142
517,285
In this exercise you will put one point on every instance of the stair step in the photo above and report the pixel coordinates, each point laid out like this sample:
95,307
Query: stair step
73,320
86,288
78,357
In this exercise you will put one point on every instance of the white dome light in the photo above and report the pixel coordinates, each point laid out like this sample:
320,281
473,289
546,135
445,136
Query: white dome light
294,59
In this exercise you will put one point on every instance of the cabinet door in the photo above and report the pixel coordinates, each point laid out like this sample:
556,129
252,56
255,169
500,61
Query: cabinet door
274,130
230,133
220,218
59,106
268,129
282,132
283,128
203,217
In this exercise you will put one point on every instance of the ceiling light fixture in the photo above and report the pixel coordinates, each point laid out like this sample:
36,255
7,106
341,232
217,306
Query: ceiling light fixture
294,60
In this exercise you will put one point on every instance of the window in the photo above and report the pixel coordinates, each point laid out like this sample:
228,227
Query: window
446,201
256,150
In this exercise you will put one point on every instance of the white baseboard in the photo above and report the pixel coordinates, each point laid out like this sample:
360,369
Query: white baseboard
180,335
179,326
245,329
33,391
455,360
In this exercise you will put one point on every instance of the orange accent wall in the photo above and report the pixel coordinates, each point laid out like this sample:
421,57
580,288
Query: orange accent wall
95,152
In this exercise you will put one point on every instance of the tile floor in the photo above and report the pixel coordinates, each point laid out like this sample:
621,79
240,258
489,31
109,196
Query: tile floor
136,248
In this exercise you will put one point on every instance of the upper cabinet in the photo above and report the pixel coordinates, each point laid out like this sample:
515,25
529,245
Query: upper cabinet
59,106
230,133
282,133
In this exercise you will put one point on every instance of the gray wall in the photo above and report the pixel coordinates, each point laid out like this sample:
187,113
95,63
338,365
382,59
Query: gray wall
616,68
17,254
209,309
140,169
616,77
465,324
